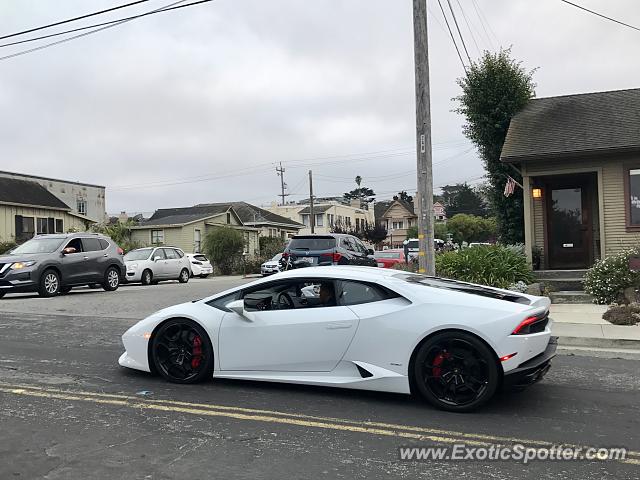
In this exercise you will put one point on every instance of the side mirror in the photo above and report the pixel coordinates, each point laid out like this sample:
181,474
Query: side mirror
237,306
68,250
370,251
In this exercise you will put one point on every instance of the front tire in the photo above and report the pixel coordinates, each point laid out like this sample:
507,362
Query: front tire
184,276
111,279
49,285
181,352
455,371
147,277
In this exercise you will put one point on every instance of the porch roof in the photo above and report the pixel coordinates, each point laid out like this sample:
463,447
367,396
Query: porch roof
571,125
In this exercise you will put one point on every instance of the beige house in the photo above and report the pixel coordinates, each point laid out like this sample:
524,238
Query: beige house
397,216
186,228
580,160
327,214
27,209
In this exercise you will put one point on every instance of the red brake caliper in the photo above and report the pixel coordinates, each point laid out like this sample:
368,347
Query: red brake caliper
197,352
438,361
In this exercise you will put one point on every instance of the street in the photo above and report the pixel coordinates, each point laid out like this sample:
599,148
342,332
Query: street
69,411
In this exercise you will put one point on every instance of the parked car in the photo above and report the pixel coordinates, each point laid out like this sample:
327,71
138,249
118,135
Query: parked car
152,264
271,266
200,265
453,343
326,249
389,258
54,264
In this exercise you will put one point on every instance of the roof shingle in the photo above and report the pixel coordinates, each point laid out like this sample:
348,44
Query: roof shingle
23,192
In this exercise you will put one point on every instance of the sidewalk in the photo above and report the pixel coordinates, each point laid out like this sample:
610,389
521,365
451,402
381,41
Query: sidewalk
581,327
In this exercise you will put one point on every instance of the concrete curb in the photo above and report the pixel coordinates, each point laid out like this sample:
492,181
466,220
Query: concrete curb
599,342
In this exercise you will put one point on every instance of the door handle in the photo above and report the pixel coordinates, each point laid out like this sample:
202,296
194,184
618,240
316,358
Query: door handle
106,255
86,258
337,325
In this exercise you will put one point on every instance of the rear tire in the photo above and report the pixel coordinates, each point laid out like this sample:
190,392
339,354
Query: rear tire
455,371
147,277
111,279
181,352
49,285
184,276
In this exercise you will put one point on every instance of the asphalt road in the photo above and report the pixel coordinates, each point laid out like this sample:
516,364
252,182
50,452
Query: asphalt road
67,410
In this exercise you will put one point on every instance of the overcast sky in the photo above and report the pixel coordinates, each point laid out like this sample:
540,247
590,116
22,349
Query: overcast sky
221,91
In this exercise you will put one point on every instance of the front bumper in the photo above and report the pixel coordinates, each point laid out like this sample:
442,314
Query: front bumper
534,369
269,270
19,280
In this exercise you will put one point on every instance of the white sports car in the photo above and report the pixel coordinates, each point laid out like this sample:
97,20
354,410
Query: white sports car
353,327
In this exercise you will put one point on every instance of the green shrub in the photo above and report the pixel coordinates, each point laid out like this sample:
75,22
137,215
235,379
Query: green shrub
608,278
6,246
493,265
271,246
469,228
224,246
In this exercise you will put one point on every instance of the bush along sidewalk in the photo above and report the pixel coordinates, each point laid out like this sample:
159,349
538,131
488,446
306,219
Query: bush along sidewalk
608,279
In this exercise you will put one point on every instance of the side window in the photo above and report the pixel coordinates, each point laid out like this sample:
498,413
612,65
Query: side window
103,244
355,293
291,295
171,254
348,244
221,302
91,244
179,253
75,243
158,253
360,247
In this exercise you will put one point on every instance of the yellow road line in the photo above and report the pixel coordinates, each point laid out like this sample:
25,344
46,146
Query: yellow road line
241,413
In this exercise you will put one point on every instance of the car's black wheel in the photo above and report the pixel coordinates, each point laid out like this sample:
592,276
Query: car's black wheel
181,351
147,277
49,285
111,279
64,290
204,275
184,276
455,371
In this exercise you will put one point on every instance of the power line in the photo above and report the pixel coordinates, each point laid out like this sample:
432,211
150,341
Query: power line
452,37
469,27
484,20
171,6
455,20
600,15
72,19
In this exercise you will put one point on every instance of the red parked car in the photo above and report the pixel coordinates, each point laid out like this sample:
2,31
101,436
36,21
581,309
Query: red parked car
388,258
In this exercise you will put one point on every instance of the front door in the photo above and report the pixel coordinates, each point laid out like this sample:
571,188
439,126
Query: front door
569,222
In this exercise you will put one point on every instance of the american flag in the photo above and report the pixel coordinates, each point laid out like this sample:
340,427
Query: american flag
509,187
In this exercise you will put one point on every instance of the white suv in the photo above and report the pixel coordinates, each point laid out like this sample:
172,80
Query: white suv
152,264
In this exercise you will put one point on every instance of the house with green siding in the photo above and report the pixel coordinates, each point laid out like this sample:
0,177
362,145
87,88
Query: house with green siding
579,156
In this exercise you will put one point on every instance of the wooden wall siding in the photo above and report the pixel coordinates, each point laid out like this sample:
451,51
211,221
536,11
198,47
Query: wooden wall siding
538,226
8,219
615,233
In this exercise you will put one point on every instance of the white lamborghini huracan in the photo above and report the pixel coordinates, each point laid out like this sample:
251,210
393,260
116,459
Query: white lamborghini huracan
368,328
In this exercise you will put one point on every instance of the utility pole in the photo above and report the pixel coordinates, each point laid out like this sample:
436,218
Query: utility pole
426,255
312,217
280,172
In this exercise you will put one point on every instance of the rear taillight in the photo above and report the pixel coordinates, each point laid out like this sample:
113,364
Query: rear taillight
333,257
120,251
337,257
533,324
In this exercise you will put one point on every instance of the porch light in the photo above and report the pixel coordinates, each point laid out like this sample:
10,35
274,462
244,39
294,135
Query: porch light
537,192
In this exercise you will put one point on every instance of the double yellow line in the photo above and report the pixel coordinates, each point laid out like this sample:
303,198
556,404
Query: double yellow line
438,436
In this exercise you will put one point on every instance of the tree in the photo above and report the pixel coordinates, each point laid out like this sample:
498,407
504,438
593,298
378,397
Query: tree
120,233
224,246
270,246
412,232
364,194
375,234
461,198
494,89
470,228
404,196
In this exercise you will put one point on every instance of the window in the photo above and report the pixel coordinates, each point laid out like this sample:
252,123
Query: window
157,237
357,224
245,251
319,220
43,225
170,253
291,295
179,252
347,221
330,219
158,254
228,217
197,241
59,225
632,187
312,243
75,243
356,293
103,244
397,225
305,219
81,206
221,302
91,244
25,228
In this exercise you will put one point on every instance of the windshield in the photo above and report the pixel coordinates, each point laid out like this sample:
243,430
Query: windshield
413,245
141,254
200,258
387,255
39,245
312,243
277,258
449,284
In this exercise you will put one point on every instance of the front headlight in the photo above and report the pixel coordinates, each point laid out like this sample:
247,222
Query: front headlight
21,265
